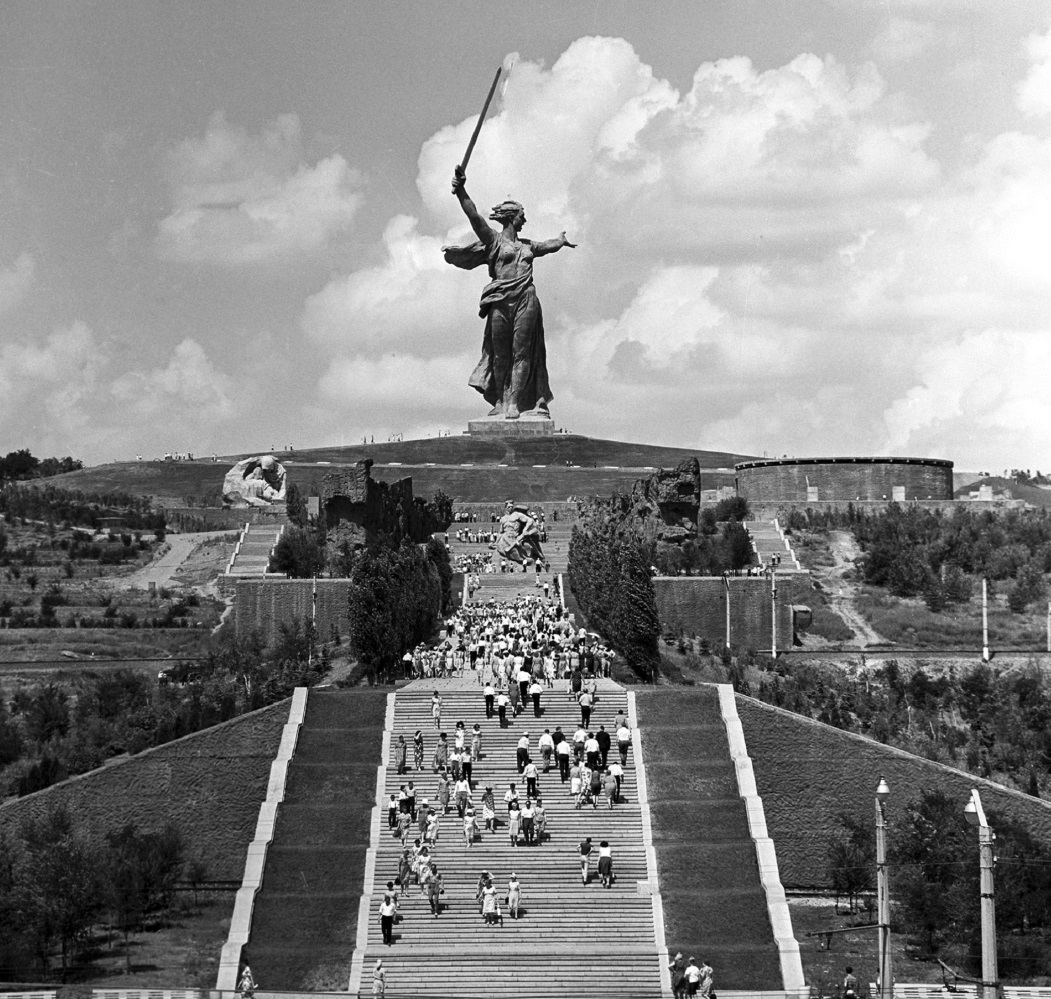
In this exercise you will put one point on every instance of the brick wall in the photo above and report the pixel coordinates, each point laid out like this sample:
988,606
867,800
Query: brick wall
210,784
697,604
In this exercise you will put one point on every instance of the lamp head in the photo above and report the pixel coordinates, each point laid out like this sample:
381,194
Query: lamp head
882,791
970,811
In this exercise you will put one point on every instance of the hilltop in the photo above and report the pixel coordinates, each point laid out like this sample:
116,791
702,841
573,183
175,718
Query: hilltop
550,468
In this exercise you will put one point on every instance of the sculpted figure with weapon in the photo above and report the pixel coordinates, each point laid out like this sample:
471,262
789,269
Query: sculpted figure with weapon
512,372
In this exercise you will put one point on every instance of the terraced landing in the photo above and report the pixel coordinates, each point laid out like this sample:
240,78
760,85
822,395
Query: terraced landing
305,915
714,903
571,939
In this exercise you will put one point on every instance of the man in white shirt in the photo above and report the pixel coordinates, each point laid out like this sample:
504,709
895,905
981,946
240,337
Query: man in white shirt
623,743
562,751
546,748
591,750
617,772
523,751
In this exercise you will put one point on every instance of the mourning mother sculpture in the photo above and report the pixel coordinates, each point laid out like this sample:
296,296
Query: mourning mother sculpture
512,373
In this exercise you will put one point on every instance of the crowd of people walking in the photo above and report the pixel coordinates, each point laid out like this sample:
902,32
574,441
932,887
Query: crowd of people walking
520,653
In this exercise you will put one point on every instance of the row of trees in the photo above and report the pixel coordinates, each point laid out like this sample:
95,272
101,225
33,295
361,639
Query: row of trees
397,596
17,465
934,877
610,578
57,884
70,507
49,732
913,551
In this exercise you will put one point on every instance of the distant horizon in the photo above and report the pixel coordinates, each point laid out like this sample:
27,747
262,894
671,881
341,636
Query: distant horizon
802,227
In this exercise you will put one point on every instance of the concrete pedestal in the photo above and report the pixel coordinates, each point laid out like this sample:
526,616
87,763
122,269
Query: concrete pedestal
524,426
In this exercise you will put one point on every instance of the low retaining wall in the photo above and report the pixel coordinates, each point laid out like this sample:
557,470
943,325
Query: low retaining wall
241,922
777,903
263,605
697,604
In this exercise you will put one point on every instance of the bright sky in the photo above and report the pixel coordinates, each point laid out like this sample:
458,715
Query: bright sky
805,227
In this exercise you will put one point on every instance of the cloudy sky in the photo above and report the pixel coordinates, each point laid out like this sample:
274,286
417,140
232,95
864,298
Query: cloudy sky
804,228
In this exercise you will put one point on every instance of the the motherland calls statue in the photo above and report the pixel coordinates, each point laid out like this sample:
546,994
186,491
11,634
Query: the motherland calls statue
255,482
512,374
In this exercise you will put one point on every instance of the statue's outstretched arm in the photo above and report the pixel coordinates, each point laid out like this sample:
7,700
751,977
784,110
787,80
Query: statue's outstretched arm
542,246
482,228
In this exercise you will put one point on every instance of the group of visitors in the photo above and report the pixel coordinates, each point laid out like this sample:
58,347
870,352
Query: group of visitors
693,979
488,898
519,650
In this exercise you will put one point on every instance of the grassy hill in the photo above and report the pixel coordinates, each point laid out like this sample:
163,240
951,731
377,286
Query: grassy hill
468,468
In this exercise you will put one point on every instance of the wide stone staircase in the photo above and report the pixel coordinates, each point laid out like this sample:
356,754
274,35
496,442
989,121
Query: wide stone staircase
570,939
769,540
510,585
251,557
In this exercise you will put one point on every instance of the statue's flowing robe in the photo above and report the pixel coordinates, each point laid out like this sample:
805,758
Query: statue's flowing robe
516,298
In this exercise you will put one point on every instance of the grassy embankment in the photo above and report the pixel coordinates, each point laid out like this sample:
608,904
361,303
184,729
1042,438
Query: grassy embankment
305,918
714,904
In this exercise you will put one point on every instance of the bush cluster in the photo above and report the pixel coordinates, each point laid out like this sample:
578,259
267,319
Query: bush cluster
49,732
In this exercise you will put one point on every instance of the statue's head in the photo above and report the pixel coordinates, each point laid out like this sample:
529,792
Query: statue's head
509,211
268,463
509,505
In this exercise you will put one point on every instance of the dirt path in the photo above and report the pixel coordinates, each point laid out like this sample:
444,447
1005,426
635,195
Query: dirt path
841,591
161,570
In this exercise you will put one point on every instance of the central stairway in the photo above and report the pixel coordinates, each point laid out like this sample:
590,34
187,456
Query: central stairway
570,939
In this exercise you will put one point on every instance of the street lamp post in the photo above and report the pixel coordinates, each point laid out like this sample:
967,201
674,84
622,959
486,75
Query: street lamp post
986,837
886,981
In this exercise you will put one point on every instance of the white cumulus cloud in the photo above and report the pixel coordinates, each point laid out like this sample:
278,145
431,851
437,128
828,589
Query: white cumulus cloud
1034,92
243,199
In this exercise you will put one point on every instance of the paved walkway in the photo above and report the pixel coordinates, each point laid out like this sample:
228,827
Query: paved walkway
571,939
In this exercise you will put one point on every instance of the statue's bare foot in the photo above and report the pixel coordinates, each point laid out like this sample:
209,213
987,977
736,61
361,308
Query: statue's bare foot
495,411
512,412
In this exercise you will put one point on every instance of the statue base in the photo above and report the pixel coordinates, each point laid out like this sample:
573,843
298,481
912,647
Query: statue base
500,426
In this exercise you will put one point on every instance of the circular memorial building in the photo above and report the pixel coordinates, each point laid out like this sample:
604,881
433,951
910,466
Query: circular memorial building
811,480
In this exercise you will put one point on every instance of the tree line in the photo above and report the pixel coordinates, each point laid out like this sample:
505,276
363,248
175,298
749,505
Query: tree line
49,732
914,551
21,464
70,507
610,578
58,884
934,883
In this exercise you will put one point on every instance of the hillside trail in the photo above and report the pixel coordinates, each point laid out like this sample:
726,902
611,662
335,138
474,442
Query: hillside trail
841,591
161,570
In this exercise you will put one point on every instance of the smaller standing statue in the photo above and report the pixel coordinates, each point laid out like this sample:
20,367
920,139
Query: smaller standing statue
519,538
255,482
